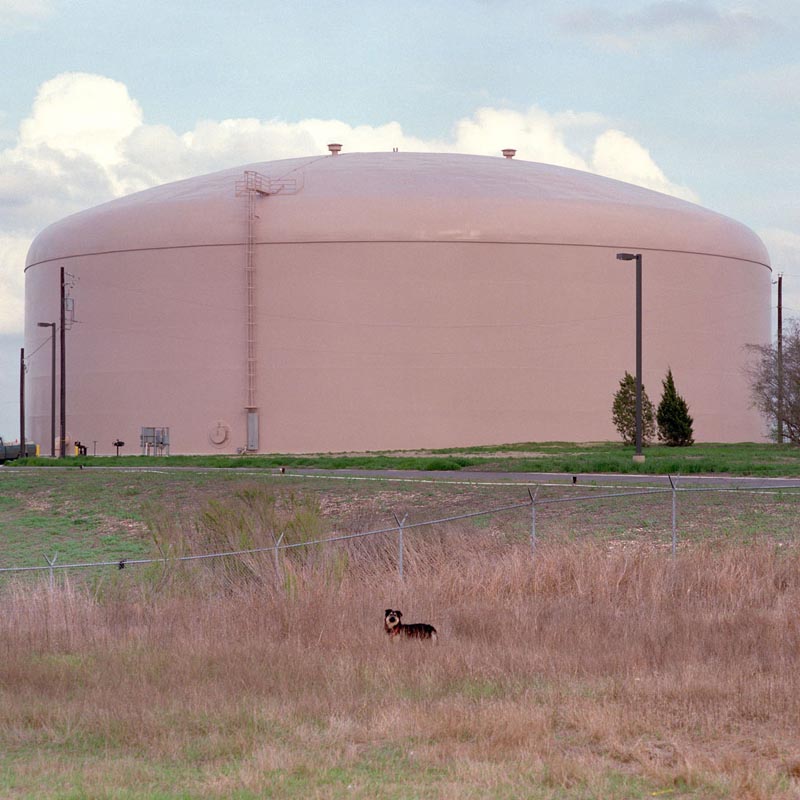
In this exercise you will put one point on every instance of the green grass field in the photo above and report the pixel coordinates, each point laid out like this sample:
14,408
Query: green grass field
602,669
605,457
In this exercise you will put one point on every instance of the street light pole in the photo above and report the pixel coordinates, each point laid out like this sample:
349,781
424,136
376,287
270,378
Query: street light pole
780,360
638,457
63,444
52,389
24,451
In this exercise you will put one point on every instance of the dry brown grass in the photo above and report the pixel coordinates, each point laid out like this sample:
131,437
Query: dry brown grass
599,671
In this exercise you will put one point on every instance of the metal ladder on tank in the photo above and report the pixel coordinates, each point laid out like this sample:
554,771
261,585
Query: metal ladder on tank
252,186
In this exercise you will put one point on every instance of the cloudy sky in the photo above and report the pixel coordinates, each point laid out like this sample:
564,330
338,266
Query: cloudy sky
697,98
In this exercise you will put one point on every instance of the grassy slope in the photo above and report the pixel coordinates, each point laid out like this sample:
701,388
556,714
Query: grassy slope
95,515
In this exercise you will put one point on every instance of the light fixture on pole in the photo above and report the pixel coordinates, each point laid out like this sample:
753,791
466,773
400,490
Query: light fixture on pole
52,389
638,457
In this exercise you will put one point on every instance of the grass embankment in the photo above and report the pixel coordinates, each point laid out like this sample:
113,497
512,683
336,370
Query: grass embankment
601,671
766,460
98,515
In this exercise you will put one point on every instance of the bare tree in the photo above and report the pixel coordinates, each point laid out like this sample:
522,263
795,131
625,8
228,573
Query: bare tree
767,373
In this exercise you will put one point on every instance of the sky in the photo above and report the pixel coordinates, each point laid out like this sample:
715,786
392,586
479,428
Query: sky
695,98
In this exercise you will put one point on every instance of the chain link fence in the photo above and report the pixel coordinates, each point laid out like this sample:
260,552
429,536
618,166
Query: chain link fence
570,510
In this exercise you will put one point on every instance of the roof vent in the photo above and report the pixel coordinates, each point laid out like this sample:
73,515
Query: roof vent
335,149
509,152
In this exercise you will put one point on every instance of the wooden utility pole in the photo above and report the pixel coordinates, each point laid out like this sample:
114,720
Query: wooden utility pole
780,360
23,451
63,447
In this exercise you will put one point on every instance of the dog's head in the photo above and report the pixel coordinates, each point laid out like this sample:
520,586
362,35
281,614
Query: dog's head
391,619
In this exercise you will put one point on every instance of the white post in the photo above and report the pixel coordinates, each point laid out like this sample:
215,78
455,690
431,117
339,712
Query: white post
51,563
277,566
674,515
533,521
400,524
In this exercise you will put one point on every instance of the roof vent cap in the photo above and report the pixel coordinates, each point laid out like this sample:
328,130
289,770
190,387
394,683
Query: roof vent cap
335,149
509,152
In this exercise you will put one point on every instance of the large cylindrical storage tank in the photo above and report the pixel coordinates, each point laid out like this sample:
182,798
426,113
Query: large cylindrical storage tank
390,301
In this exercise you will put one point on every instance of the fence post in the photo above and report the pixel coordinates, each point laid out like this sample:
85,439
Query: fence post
400,524
275,553
52,579
674,515
533,521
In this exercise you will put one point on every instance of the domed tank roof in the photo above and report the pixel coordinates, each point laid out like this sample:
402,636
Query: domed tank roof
404,197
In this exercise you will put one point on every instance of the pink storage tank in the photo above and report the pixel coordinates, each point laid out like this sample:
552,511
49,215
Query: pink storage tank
376,301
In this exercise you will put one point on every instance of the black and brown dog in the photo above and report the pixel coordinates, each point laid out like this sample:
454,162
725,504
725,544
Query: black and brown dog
394,627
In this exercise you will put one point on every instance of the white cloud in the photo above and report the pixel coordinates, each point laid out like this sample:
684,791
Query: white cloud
85,141
692,22
535,134
12,255
619,156
79,114
21,13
